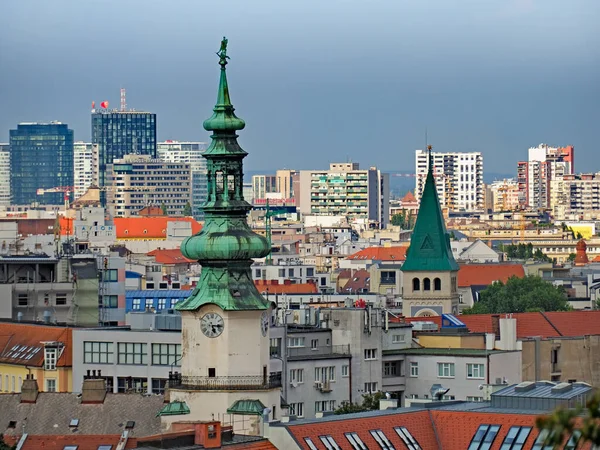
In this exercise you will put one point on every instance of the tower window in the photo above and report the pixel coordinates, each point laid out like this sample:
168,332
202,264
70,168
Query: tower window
437,284
231,183
416,284
212,372
219,181
426,284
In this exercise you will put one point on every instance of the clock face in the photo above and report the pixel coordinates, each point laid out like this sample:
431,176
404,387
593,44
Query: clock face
264,323
212,325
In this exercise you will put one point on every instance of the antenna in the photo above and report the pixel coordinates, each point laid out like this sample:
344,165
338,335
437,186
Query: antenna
123,102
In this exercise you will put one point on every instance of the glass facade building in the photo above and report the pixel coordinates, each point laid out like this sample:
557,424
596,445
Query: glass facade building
41,157
120,133
189,153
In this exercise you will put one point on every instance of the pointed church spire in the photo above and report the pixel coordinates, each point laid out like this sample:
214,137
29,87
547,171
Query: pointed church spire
430,242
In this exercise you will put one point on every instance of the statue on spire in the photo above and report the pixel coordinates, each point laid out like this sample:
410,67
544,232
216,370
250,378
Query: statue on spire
222,53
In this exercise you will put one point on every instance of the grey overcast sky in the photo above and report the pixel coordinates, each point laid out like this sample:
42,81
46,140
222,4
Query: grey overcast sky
318,80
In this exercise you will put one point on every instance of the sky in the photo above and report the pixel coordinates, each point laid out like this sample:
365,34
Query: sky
318,81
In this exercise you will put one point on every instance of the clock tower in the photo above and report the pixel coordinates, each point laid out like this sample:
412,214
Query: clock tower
225,322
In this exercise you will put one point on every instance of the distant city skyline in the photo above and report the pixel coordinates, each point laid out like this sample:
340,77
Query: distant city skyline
318,82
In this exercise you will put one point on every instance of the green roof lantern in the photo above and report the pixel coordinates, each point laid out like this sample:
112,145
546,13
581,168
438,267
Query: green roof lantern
174,409
430,249
226,245
247,407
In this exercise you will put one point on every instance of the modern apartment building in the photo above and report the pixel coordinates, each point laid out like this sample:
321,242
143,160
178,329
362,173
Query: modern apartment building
458,179
346,190
505,195
263,185
83,167
137,181
120,133
189,153
284,183
41,157
4,175
544,164
575,196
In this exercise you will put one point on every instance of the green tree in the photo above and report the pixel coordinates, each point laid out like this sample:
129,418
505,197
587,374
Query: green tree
582,420
539,255
571,257
370,402
187,209
520,295
398,220
164,209
4,445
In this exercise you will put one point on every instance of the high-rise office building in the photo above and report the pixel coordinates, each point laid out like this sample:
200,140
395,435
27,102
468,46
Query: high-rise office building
189,153
41,157
4,175
535,175
346,190
137,181
83,167
120,133
458,179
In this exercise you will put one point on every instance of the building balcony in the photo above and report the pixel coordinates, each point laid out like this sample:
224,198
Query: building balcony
322,352
239,383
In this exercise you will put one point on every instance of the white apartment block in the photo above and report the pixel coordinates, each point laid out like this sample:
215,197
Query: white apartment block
188,153
137,181
4,175
575,197
363,196
263,185
83,168
543,165
505,195
458,179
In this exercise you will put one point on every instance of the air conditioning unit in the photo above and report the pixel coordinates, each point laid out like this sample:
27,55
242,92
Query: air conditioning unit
325,387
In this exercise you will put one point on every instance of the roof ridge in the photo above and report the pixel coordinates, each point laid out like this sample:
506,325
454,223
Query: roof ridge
550,322
435,432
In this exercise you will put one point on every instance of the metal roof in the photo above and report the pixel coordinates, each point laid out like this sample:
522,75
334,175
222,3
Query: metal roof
158,293
544,389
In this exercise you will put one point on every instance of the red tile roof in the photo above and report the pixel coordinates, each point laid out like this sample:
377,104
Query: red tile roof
257,445
21,344
381,254
486,274
276,288
408,198
169,256
149,227
575,323
358,281
83,442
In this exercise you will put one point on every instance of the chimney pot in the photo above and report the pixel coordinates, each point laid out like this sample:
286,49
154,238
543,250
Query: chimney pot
94,373
99,374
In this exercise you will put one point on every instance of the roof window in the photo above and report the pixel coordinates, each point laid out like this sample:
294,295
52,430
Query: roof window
410,442
515,438
356,442
310,443
382,440
484,437
329,443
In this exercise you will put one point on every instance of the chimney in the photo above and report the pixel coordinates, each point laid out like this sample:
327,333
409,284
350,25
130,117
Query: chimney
208,434
496,325
29,389
93,389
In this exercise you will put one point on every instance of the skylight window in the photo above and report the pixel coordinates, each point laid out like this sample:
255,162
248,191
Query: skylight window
355,441
484,437
541,440
515,438
74,423
70,447
382,440
573,440
410,442
105,447
329,443
310,443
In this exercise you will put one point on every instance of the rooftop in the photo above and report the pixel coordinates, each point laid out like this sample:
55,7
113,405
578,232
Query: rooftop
22,344
380,254
486,274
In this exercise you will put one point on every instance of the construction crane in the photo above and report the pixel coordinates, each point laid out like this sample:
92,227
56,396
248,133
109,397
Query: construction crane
65,189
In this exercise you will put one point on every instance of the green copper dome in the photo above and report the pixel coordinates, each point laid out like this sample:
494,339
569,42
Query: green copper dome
430,242
226,246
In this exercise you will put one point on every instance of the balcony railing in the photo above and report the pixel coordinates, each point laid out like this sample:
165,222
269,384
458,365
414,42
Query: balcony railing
318,352
241,383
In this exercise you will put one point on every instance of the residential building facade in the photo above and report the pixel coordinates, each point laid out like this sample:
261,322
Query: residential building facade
83,168
346,190
575,196
535,175
189,153
506,195
284,183
41,157
137,181
5,198
120,133
458,179
263,185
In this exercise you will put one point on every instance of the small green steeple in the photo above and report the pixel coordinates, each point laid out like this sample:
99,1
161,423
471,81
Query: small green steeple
430,242
226,245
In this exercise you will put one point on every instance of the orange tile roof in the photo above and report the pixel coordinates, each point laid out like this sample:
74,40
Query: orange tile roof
486,274
169,256
409,198
21,344
83,442
575,323
276,288
381,254
596,259
257,445
149,227
359,280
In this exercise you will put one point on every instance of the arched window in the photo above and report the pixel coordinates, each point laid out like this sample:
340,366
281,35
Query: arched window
437,284
426,284
416,284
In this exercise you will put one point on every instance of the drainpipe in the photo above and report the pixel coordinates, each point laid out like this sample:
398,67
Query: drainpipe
537,345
